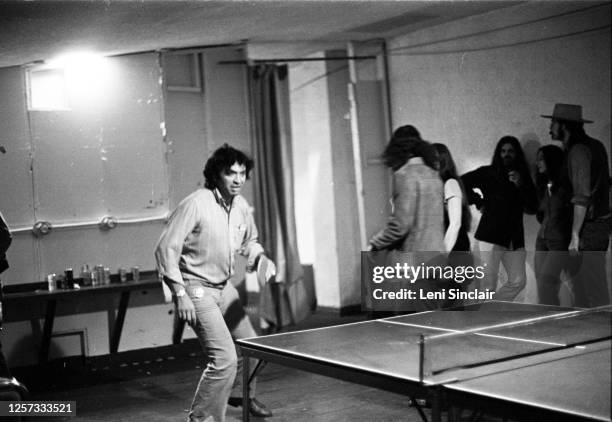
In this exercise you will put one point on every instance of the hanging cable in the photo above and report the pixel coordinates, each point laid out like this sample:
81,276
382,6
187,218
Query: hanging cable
475,34
494,47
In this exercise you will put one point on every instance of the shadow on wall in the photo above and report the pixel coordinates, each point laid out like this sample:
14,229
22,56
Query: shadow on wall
531,144
603,137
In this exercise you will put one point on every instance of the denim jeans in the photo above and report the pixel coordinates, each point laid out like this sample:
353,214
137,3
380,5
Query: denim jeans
220,317
589,267
514,264
551,258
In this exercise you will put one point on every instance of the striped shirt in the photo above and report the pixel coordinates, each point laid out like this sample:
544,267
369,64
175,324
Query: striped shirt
202,236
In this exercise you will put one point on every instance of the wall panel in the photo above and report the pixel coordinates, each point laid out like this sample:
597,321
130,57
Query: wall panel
16,200
107,158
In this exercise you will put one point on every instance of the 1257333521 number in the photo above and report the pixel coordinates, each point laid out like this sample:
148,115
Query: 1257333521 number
38,408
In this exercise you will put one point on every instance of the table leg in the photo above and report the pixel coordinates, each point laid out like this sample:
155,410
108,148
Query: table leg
47,331
415,402
116,337
454,413
245,387
436,405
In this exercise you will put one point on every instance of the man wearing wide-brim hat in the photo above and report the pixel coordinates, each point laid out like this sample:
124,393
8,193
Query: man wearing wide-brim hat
588,175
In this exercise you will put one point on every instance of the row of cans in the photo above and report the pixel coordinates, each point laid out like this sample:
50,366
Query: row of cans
123,274
98,276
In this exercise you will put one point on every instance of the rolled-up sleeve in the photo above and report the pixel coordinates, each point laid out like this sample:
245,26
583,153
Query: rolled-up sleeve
170,245
402,219
579,168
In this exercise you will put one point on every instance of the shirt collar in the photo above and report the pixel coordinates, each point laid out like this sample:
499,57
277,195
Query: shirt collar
221,201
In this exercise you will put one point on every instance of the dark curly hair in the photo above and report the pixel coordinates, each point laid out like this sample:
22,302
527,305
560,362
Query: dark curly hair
406,143
221,160
520,162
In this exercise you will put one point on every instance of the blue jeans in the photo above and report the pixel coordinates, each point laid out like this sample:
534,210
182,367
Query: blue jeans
220,317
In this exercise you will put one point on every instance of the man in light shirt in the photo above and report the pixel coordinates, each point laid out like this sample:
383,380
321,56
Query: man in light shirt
196,256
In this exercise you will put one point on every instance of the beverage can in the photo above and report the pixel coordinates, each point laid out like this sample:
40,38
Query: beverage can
68,278
86,275
100,276
51,282
122,275
60,282
135,273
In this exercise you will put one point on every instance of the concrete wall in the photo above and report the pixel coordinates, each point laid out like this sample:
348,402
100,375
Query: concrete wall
103,156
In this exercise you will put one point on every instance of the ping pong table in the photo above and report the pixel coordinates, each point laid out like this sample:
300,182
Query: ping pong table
522,361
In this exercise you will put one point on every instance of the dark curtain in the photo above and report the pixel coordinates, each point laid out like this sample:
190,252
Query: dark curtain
292,297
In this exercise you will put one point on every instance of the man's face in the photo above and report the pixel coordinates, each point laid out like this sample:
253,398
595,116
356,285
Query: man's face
556,134
232,180
508,154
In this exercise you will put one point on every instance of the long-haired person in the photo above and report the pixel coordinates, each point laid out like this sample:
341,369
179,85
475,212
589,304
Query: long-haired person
457,217
507,192
416,223
555,216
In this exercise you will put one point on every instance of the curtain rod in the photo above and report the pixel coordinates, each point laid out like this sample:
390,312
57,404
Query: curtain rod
195,48
301,59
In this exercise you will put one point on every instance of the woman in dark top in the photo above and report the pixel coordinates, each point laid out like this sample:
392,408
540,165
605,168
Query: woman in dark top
555,216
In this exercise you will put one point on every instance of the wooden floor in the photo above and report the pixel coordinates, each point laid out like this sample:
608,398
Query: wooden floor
142,387
292,396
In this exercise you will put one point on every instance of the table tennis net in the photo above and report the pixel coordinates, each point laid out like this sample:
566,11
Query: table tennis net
441,354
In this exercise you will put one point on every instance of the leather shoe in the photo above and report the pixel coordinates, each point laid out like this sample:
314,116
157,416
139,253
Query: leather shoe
256,408
421,402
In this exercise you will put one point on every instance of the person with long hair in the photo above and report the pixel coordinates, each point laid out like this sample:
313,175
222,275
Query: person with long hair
457,215
506,192
415,227
555,216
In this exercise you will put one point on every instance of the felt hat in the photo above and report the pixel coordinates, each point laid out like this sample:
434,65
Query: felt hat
569,112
